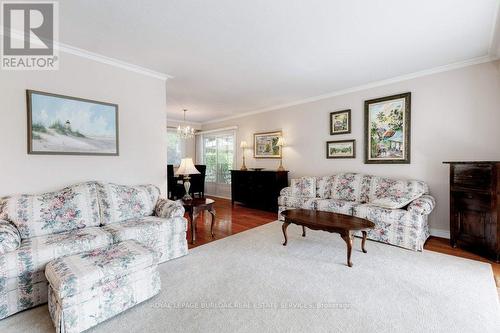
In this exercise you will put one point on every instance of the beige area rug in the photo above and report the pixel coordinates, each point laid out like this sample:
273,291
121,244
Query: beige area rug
249,282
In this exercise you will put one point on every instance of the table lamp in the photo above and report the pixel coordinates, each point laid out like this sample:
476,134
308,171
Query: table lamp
281,144
243,146
187,168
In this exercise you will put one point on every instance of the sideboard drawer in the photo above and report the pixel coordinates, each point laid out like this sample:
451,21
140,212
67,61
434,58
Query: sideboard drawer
471,201
472,176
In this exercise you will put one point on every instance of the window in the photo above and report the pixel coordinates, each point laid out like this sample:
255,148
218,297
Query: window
219,157
176,147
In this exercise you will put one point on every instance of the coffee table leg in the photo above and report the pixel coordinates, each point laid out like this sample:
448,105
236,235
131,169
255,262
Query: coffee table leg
191,217
363,241
303,231
348,240
283,227
212,212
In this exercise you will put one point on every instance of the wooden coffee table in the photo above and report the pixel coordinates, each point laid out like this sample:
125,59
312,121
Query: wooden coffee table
327,221
193,207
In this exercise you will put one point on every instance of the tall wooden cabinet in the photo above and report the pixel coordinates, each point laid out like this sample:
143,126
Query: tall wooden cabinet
258,189
474,207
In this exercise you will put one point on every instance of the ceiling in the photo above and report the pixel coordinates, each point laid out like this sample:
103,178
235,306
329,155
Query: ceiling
230,57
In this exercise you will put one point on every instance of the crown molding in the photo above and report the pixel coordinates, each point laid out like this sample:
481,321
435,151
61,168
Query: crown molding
183,121
374,84
61,47
494,50
112,61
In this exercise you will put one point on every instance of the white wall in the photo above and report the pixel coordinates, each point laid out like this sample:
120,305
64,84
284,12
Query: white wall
142,123
455,116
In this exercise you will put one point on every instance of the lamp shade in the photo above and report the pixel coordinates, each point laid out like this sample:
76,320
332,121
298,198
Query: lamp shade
187,167
281,142
243,144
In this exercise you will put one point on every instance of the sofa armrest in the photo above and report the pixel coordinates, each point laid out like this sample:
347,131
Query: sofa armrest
423,205
10,239
286,192
166,208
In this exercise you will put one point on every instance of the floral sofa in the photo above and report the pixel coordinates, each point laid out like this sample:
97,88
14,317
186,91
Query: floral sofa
36,229
399,208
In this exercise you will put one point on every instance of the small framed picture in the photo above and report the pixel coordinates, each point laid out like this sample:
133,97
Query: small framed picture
340,122
341,149
266,145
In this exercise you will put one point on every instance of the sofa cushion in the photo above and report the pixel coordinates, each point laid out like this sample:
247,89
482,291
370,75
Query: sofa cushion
393,193
297,202
73,207
384,216
304,187
29,260
120,202
79,273
149,229
335,206
9,237
324,186
351,187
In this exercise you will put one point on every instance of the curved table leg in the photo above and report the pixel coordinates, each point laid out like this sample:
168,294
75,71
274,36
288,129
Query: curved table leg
347,237
283,227
303,231
212,212
363,241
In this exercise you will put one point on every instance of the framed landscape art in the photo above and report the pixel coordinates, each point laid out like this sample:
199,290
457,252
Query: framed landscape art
63,125
387,129
341,149
266,145
340,122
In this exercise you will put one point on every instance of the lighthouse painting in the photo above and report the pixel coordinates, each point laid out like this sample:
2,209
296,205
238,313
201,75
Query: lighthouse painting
62,125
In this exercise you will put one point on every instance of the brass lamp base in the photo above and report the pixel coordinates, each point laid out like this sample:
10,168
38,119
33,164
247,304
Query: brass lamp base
280,168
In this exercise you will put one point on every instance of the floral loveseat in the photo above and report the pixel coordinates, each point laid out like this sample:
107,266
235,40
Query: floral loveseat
399,208
36,229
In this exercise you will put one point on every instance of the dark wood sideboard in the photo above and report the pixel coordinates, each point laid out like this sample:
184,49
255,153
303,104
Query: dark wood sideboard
258,189
475,207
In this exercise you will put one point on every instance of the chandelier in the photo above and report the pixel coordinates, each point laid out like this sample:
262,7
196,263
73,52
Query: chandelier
185,132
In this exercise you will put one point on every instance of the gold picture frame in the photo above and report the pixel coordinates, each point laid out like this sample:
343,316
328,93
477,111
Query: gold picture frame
265,145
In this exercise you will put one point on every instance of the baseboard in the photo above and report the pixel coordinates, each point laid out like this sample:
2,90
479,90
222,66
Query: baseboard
440,233
216,196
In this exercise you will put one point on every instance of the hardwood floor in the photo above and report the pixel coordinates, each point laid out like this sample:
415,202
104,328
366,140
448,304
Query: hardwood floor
230,221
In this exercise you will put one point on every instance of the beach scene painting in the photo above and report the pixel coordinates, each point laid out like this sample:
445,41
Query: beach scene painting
71,126
387,129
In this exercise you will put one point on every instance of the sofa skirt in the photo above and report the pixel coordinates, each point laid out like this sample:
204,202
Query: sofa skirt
22,298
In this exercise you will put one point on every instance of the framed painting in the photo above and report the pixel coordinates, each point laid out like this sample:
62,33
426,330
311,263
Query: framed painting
340,122
341,149
387,129
63,125
265,145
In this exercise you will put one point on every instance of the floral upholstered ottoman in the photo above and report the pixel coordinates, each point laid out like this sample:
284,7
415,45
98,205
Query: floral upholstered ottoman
87,288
